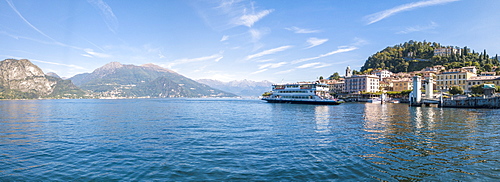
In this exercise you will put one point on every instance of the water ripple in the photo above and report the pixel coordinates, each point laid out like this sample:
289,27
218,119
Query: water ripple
243,140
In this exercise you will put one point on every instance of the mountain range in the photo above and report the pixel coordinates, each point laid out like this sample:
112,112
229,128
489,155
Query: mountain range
244,88
130,81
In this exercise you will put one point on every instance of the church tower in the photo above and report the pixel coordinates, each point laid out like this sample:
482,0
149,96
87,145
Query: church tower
348,72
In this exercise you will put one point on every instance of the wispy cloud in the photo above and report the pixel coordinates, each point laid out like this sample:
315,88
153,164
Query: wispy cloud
308,65
272,65
224,38
258,71
215,58
256,34
231,13
302,30
251,18
160,55
285,71
92,54
418,28
59,64
89,52
405,7
313,42
106,13
265,60
270,51
340,50
26,21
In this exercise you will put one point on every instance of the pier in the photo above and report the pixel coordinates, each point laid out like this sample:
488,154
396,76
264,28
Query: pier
489,100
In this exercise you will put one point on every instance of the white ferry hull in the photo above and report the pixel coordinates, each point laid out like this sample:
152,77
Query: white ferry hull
303,101
301,93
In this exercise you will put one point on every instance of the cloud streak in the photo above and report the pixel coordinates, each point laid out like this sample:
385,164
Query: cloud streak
270,51
224,38
92,54
26,21
106,13
418,28
214,58
315,65
405,7
313,42
340,50
271,65
250,19
59,64
302,30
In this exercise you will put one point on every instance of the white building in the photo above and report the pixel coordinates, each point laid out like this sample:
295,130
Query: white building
447,51
361,83
382,74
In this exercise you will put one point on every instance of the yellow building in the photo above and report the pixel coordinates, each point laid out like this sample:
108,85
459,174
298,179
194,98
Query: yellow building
402,84
478,80
453,77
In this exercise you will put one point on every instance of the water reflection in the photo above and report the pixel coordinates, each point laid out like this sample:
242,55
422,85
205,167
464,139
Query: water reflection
321,116
18,121
427,140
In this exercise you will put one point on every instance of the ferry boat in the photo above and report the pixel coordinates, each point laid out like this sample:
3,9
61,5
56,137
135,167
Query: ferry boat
301,93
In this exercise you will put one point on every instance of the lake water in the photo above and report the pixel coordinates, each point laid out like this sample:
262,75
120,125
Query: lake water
244,140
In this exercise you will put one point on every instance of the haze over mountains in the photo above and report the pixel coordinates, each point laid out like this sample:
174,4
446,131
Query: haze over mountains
21,79
244,88
118,80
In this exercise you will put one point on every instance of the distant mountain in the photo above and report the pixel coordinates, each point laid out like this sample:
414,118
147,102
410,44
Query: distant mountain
118,80
52,74
21,79
245,88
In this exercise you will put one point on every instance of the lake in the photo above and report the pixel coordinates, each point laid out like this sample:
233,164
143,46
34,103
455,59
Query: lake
244,140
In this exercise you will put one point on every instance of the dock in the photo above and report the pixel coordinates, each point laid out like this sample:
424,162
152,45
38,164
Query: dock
489,100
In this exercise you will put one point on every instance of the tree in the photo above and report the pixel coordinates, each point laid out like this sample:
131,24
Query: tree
334,76
456,90
355,72
477,89
320,77
488,67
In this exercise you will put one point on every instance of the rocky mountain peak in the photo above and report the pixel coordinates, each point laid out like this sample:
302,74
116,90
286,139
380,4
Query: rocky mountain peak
110,66
24,76
12,69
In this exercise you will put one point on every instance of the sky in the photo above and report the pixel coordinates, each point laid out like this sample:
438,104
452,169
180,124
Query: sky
280,41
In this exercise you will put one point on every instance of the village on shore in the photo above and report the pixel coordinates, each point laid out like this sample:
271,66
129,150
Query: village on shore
457,83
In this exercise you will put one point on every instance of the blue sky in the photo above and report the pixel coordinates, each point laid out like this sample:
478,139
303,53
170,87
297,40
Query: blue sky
278,40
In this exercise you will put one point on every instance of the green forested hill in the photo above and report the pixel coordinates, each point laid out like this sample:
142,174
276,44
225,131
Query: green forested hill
414,55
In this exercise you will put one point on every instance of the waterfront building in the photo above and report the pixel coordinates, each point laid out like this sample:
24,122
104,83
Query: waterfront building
447,51
386,84
453,77
382,74
402,84
471,69
335,86
488,74
402,75
362,83
478,80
